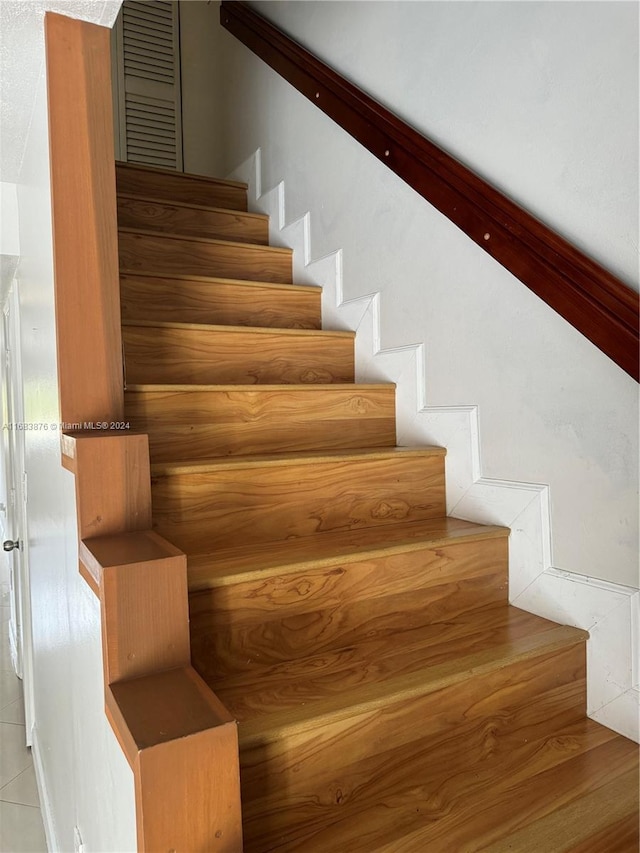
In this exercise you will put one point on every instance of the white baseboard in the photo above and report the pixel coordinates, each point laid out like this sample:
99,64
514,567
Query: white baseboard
46,810
610,612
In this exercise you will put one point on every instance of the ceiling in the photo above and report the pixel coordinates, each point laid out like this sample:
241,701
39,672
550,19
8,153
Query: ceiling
22,63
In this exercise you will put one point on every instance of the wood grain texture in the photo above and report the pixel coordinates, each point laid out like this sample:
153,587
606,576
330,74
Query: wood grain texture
267,593
140,580
439,786
211,355
216,301
603,819
150,182
148,251
231,420
621,835
164,706
117,549
310,751
389,698
192,786
350,670
593,300
324,648
562,772
339,548
174,217
212,505
112,481
298,615
198,299
84,220
182,746
222,649
431,795
141,633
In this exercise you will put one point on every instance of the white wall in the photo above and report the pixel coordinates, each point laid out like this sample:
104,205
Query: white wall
9,239
9,251
87,781
202,76
541,98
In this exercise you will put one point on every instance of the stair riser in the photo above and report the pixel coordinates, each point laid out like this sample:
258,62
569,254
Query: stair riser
215,357
200,512
282,652
202,424
445,777
192,301
314,765
184,256
180,187
198,222
246,625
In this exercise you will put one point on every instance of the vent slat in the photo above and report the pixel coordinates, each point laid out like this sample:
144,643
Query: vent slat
151,120
142,137
157,45
151,117
149,12
135,49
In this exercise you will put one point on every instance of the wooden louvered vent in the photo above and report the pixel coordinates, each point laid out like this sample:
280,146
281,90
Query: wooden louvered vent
147,47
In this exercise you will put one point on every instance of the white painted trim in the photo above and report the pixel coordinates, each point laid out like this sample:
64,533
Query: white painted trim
610,612
46,810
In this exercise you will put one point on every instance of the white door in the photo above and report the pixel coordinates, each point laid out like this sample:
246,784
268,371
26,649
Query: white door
15,515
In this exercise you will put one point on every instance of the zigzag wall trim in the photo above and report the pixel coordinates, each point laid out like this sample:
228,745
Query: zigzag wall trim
610,612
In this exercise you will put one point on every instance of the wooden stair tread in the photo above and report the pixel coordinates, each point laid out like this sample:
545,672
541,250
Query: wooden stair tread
559,774
166,251
389,698
174,352
180,186
150,388
201,505
249,562
307,457
215,280
455,641
202,421
245,214
202,299
265,714
139,167
242,330
579,823
212,241
188,218
503,790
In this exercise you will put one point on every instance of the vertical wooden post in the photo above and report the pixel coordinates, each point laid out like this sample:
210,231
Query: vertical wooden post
181,743
85,231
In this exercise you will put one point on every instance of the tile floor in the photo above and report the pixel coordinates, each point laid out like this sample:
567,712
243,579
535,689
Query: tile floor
21,827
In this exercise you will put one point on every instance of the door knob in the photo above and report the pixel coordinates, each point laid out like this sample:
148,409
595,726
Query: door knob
8,545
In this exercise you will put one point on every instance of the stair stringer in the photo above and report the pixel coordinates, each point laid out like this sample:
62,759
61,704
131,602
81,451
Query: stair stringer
610,612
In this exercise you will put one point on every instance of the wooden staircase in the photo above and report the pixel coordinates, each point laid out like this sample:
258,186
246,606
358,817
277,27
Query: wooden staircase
389,699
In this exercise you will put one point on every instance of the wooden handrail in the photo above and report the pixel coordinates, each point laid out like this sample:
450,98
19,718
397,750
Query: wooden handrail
592,299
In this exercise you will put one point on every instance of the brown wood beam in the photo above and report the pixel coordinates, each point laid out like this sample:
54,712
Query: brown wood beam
85,245
180,741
